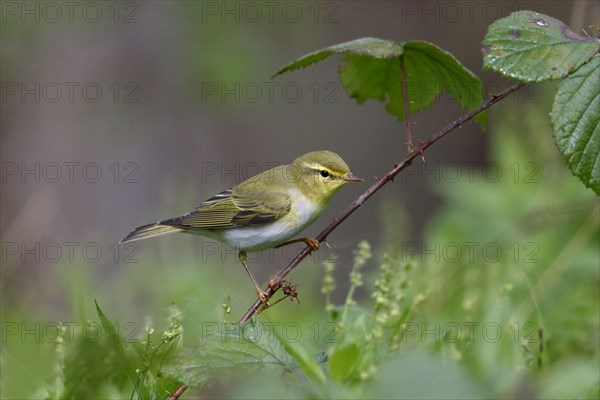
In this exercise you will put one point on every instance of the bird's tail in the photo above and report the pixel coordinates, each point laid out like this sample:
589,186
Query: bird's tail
148,231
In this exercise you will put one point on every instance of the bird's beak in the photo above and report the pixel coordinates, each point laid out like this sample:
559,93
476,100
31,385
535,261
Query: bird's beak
352,178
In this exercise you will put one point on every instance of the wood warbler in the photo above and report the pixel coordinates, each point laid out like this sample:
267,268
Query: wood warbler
264,211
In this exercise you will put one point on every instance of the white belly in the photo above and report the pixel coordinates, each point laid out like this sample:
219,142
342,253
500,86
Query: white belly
264,236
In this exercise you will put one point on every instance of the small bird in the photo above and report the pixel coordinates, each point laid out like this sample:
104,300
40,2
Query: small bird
266,210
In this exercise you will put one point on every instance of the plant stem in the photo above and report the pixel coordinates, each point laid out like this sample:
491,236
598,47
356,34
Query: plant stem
407,119
378,184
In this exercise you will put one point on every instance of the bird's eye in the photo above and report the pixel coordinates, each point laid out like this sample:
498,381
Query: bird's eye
324,173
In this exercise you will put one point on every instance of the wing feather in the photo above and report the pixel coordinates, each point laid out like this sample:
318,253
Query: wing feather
234,208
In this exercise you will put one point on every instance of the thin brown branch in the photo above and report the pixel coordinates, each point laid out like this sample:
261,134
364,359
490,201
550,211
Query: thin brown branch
407,119
378,184
177,393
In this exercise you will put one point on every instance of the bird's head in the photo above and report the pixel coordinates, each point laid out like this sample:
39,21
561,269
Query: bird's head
320,174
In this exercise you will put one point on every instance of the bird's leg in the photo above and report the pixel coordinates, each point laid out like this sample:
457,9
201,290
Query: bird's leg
261,295
312,242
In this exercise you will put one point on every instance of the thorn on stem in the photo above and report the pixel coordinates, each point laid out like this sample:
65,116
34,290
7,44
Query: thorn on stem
421,150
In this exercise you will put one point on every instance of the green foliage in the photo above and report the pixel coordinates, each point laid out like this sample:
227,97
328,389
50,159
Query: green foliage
545,280
401,340
576,121
412,324
372,70
309,366
105,365
116,341
533,47
365,337
343,361
252,346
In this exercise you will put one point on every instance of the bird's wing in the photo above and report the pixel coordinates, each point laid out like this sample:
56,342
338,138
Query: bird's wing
234,208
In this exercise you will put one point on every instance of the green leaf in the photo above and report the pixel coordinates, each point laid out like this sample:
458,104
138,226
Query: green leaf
116,341
342,361
533,47
374,47
307,364
372,70
251,346
576,121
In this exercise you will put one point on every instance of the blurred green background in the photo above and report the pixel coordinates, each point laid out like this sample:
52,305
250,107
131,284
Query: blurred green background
119,114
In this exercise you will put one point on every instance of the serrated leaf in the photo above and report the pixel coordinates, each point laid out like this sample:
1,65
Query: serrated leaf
252,346
576,121
533,47
342,361
372,70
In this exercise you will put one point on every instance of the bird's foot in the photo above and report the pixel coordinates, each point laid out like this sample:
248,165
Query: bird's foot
313,243
263,297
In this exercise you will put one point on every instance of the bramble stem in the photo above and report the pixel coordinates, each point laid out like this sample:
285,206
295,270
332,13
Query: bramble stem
378,184
407,119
